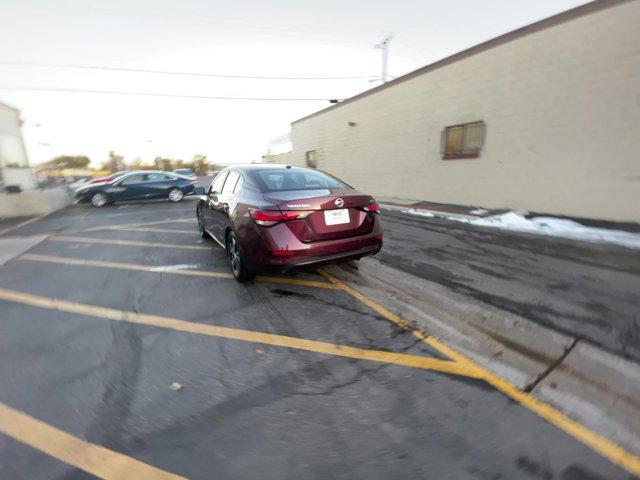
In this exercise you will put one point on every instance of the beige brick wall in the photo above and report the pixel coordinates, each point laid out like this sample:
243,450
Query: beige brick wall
280,158
562,109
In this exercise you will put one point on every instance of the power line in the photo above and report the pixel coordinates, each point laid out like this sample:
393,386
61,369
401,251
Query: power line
190,74
258,26
167,95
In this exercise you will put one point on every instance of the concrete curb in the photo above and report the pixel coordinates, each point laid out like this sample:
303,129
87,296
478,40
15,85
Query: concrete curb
11,247
592,386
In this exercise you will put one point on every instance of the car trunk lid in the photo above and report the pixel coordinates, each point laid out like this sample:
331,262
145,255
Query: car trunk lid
335,213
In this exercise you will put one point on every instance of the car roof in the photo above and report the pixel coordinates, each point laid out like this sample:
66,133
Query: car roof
145,171
248,167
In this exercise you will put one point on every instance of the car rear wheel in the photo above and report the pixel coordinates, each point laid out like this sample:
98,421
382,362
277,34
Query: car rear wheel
175,195
99,199
239,269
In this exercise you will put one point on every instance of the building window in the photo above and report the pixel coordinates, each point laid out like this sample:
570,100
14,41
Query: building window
463,141
311,158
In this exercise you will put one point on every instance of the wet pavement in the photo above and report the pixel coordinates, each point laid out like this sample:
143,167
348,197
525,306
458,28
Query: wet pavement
96,346
589,291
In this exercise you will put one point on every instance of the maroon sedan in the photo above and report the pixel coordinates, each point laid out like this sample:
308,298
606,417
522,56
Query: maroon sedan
276,218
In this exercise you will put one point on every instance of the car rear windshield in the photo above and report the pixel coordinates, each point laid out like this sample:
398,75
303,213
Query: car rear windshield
298,179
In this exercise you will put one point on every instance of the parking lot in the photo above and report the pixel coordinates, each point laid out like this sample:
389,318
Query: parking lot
129,351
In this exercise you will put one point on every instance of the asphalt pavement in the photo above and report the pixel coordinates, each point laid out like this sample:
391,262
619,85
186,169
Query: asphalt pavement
587,290
123,339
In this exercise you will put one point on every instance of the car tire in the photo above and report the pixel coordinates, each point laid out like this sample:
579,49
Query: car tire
203,232
99,199
176,195
237,264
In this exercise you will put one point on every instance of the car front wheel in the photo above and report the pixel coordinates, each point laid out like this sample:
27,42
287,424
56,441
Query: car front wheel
175,195
203,232
238,267
99,199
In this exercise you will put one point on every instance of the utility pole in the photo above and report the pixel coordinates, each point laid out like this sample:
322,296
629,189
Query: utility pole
384,46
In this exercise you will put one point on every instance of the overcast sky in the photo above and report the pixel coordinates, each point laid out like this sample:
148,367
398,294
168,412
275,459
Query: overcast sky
258,38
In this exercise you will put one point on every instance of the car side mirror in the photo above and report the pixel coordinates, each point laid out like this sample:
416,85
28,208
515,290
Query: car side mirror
198,191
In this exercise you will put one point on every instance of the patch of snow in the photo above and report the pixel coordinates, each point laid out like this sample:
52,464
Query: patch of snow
550,226
479,211
422,213
168,268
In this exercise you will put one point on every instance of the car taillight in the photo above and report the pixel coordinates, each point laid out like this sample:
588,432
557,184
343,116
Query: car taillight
267,218
374,208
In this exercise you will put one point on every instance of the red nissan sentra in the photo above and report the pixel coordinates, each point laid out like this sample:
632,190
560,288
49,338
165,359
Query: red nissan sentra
276,218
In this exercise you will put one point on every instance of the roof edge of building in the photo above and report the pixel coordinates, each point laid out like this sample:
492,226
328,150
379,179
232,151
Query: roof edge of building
559,18
10,107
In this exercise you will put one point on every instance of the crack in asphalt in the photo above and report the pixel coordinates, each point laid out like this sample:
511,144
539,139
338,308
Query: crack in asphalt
541,376
274,389
123,362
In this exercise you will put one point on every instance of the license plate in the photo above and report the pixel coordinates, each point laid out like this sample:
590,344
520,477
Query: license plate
336,217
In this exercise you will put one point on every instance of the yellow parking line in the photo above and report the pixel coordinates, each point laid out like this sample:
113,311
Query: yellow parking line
91,458
295,281
122,266
23,224
147,268
596,442
126,212
402,359
126,225
109,241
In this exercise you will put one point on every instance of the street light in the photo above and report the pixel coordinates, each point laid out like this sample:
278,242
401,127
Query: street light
384,46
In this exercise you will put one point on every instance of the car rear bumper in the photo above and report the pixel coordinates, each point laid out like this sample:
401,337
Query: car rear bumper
333,258
278,250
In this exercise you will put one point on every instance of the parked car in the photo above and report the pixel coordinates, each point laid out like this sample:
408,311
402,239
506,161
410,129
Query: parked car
185,172
109,178
139,185
278,218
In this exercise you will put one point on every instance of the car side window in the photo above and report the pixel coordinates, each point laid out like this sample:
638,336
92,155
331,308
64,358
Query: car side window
157,177
230,184
133,179
216,185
